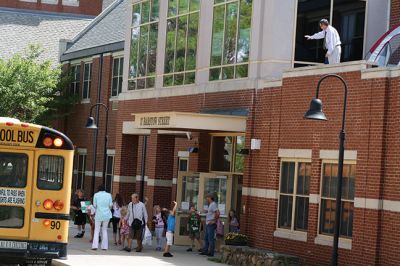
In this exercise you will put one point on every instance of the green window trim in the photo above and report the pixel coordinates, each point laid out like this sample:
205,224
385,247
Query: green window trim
143,47
181,44
230,47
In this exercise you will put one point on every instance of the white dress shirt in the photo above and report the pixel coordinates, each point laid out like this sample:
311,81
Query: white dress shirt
332,38
137,211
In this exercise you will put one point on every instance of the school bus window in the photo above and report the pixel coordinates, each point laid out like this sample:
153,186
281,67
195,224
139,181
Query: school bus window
13,169
51,172
11,217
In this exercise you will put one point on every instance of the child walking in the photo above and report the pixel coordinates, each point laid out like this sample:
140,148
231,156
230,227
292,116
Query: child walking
158,225
194,228
124,226
170,231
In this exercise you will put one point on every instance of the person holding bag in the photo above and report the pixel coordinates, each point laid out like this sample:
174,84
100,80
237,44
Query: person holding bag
137,219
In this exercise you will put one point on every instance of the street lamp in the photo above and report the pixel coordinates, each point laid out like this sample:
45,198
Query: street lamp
91,124
315,113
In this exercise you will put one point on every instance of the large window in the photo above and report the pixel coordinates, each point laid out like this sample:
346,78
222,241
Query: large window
143,53
347,16
76,79
231,39
118,66
13,169
81,173
109,172
294,195
226,155
181,44
328,202
87,80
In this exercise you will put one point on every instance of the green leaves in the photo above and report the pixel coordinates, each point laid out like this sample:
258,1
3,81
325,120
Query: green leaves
29,87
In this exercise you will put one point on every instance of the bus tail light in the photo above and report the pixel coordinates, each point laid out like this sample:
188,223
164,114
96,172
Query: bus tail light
47,142
46,223
58,205
58,142
48,204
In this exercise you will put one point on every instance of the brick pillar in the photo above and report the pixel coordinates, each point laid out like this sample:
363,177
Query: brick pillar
126,158
160,166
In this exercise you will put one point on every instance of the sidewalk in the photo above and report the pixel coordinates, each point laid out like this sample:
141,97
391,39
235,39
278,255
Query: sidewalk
80,253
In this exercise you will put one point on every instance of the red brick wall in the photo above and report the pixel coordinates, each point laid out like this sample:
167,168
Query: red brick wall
86,7
276,117
395,12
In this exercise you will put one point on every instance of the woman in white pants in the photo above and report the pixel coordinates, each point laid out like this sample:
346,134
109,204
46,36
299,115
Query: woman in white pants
102,201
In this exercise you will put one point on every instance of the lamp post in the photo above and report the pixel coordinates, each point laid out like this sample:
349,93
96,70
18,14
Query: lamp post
315,113
91,124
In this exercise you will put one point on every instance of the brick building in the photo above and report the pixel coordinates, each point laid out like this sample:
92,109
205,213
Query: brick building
199,107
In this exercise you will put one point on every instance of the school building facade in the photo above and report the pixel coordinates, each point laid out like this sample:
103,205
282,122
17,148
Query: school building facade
209,96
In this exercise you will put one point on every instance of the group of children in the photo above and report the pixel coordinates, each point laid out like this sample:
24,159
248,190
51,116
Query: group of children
163,222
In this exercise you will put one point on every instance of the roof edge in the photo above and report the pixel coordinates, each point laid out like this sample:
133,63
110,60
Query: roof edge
112,47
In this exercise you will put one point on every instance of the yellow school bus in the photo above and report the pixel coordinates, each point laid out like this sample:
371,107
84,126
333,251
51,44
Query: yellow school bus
35,188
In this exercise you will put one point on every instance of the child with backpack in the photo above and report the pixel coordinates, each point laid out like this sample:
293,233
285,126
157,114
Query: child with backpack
194,228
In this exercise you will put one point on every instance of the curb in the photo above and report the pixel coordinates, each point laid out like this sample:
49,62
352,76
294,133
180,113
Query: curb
59,263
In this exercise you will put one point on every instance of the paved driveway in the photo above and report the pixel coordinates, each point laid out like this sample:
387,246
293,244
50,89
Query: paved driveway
80,253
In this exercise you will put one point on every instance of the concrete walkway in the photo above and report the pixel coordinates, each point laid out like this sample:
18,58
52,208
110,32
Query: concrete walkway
80,253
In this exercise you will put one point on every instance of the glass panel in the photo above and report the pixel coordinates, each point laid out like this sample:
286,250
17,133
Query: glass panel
133,71
142,63
230,34
11,217
183,226
346,225
145,12
243,46
190,190
155,6
13,170
50,172
285,211
217,186
172,8
114,91
242,71
150,82
239,158
194,5
218,35
301,215
121,66
152,53
136,15
183,165
190,77
215,74
183,6
181,44
327,216
228,72
287,177
349,20
168,80
192,41
170,46
303,181
178,79
309,13
221,154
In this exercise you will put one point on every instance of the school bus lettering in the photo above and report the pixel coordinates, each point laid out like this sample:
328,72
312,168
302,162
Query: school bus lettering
20,136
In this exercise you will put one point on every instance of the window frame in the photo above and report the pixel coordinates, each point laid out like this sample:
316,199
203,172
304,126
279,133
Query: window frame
305,63
81,171
119,76
111,175
234,65
38,172
320,198
185,71
87,81
74,89
294,194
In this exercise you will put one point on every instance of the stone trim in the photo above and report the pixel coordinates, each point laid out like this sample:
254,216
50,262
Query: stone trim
174,181
124,179
139,178
380,72
184,154
159,182
97,173
334,155
295,153
327,69
260,193
110,152
81,151
324,240
314,198
292,235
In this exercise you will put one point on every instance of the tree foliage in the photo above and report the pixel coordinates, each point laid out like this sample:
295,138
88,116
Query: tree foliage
32,90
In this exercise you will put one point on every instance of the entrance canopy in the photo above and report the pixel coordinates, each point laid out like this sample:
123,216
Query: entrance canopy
182,121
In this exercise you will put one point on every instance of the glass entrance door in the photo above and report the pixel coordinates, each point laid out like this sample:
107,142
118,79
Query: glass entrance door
192,190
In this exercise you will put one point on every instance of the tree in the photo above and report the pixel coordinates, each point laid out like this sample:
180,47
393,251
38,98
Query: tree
32,90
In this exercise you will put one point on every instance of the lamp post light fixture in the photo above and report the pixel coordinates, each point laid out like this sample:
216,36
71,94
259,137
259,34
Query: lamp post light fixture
315,113
91,124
